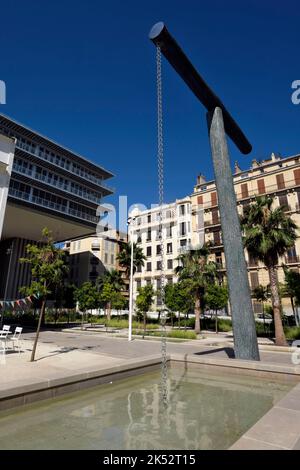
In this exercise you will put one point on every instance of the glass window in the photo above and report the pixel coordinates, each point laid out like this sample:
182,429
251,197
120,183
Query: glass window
182,229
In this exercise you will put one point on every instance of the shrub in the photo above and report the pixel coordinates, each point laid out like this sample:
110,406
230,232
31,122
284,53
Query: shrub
206,324
189,323
181,334
292,333
121,323
266,331
224,325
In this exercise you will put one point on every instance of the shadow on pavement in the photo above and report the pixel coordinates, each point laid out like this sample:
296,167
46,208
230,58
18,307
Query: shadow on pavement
228,351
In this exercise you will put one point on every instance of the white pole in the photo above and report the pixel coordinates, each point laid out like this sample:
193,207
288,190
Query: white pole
130,290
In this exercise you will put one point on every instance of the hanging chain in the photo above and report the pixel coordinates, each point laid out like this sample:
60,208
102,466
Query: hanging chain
160,163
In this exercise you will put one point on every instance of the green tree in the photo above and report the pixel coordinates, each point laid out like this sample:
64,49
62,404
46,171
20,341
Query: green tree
216,298
262,294
118,301
110,283
178,298
87,296
197,272
292,289
144,301
48,270
268,234
124,258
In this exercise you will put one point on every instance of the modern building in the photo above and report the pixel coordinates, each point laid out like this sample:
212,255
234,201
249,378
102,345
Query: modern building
49,186
92,256
176,235
7,151
276,176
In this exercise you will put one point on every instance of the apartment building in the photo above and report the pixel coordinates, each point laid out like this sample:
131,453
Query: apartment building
277,177
92,256
176,236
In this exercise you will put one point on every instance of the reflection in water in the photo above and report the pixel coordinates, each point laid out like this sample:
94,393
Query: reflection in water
205,411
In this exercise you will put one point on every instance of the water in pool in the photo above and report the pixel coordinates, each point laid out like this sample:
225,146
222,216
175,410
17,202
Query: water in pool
205,411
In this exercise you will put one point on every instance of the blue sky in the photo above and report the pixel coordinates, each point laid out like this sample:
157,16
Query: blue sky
83,73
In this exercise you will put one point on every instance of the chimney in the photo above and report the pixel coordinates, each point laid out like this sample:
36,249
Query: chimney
237,168
201,179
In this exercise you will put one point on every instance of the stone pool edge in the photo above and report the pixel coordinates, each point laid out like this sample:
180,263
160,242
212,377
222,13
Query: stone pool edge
265,434
40,389
279,428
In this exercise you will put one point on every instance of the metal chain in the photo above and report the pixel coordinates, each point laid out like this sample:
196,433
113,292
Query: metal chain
160,163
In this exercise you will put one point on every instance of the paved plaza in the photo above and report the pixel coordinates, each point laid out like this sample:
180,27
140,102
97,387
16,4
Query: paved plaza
67,359
62,353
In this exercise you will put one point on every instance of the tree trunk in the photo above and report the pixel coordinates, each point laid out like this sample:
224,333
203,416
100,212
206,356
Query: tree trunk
294,312
297,316
38,330
179,320
292,304
216,319
145,317
263,313
108,311
197,315
279,333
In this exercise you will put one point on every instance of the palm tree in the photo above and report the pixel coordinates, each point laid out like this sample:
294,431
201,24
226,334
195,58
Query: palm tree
198,272
268,234
124,258
114,278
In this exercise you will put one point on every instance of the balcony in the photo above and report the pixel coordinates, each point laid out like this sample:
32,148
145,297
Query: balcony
52,182
208,223
184,249
269,189
65,165
215,244
45,203
252,264
292,259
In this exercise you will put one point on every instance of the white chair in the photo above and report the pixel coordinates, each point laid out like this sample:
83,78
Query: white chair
3,340
6,327
16,338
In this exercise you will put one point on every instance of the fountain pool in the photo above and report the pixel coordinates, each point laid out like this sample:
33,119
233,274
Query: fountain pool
206,410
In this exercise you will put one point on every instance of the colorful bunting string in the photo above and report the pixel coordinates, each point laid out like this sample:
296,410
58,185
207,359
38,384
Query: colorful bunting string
26,301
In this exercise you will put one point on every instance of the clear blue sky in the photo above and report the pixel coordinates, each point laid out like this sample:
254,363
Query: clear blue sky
83,73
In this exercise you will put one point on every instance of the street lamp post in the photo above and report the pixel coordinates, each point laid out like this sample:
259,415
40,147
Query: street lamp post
129,222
